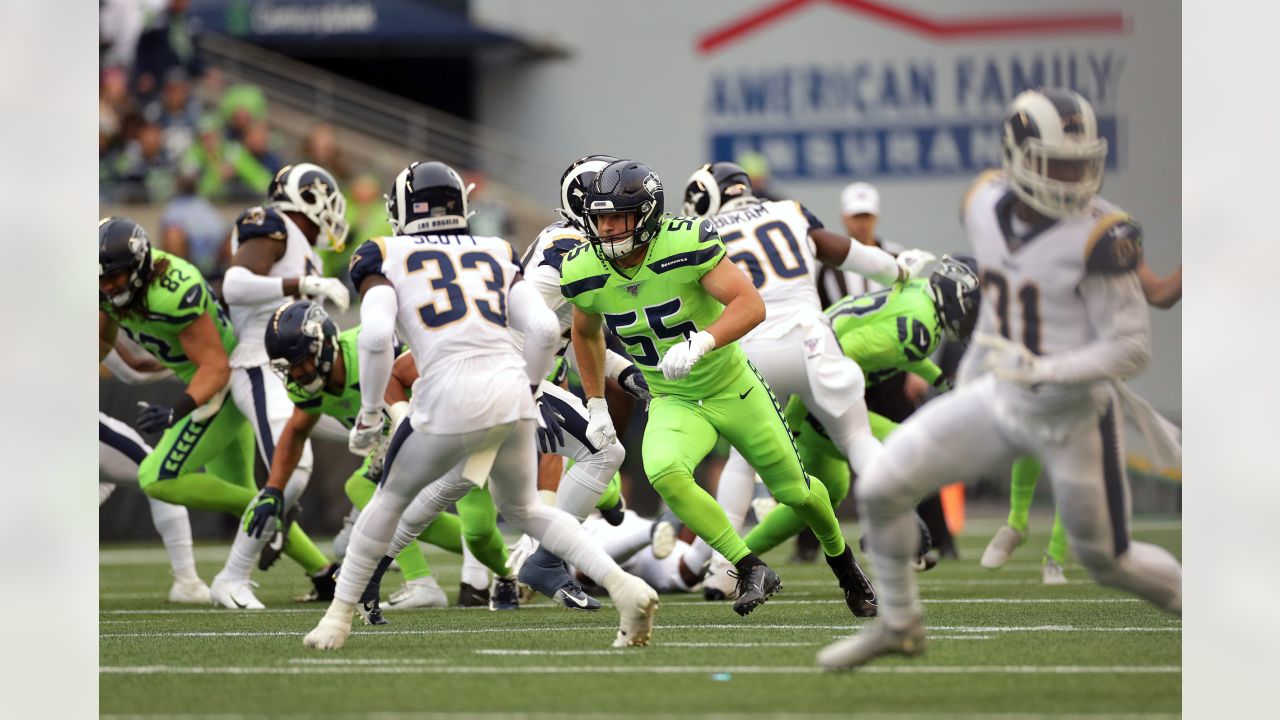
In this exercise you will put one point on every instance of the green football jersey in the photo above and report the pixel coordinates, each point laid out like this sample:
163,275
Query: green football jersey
174,300
890,331
661,304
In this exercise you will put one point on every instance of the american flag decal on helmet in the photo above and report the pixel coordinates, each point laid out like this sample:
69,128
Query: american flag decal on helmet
421,207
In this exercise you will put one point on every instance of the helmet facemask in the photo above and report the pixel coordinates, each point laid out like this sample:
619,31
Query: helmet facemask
320,348
311,191
619,244
1059,180
136,266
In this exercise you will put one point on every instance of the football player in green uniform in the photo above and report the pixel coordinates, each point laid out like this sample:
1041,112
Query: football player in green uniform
665,288
886,332
321,372
204,459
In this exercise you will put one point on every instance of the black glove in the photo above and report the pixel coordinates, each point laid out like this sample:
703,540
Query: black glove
158,418
550,436
268,504
632,380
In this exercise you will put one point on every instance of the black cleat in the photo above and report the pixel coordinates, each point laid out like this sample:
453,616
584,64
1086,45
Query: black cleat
616,514
275,547
504,595
369,608
858,593
472,597
755,585
323,584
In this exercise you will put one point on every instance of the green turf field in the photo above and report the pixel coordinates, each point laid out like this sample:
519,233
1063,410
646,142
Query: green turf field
1000,643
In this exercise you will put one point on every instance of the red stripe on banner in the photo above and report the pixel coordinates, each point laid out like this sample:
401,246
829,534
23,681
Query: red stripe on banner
1108,22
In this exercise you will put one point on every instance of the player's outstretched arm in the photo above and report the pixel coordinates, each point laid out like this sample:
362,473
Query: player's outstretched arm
743,306
202,344
289,447
844,253
246,281
1160,292
588,351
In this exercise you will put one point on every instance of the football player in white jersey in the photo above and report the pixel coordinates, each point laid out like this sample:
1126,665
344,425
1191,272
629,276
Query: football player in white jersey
581,487
1063,321
777,243
452,296
273,260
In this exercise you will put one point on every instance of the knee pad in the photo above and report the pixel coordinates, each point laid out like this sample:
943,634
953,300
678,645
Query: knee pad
880,490
797,494
609,458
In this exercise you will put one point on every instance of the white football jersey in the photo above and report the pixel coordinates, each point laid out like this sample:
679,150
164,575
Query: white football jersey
452,295
541,265
300,258
1031,276
770,242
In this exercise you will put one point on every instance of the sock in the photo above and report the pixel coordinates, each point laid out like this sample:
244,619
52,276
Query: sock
548,497
781,524
413,564
747,562
1058,540
174,526
891,543
701,513
479,520
612,494
368,547
1022,488
579,491
300,549
816,512
445,532
473,573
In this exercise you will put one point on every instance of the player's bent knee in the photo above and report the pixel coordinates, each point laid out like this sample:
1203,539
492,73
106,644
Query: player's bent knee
881,491
609,458
792,496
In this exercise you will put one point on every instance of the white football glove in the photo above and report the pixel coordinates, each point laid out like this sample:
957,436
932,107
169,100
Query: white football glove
681,358
330,289
600,430
916,264
366,433
1011,361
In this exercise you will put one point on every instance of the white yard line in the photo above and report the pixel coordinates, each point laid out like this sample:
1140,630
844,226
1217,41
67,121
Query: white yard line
369,633
642,670
455,715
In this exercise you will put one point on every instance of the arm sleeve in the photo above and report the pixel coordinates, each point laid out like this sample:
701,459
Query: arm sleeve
546,280
614,364
240,286
377,355
928,370
1118,312
530,315
871,262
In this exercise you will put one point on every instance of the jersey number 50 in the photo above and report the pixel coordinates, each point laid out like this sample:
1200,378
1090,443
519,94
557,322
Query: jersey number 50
764,235
493,309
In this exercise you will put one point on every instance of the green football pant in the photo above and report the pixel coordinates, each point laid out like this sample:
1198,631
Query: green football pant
823,460
1022,488
681,432
223,446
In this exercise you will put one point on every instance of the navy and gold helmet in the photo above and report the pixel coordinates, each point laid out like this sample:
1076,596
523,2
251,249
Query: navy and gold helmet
426,198
620,187
1053,154
713,186
123,247
312,191
300,331
575,182
954,287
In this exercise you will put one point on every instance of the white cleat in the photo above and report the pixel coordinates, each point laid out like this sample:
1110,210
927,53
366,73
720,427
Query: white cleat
718,584
193,592
332,631
875,640
1051,573
420,593
637,603
662,540
1001,547
234,594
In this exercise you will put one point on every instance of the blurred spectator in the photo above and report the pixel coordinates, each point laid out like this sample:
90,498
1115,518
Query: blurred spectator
757,167
119,25
321,148
367,218
177,111
240,107
168,41
226,169
192,228
144,172
257,141
491,217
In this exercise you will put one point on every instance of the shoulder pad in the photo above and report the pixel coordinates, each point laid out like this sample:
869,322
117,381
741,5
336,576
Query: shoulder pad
979,182
1114,246
707,233
366,261
260,222
814,222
